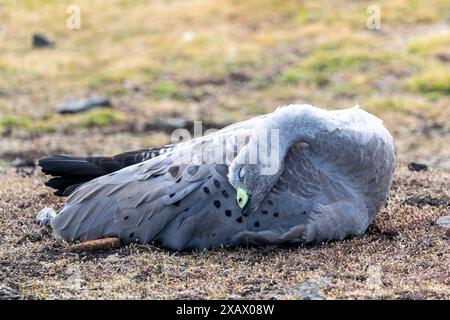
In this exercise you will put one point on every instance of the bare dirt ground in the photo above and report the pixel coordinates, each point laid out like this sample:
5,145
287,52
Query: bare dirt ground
221,63
403,255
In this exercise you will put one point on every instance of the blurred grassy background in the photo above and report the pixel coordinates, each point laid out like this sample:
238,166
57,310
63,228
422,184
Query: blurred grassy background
224,61
221,61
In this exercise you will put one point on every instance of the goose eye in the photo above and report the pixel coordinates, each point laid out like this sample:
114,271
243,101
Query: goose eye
241,173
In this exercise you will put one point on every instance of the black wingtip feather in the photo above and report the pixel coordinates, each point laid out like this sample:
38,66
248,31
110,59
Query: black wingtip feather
76,166
71,172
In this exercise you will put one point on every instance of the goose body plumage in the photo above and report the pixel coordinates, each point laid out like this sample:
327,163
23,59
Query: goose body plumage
335,176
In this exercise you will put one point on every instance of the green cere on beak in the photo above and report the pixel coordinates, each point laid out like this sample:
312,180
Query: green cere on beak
241,197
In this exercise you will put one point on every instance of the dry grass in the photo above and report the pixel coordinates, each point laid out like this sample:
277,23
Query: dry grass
226,62
404,255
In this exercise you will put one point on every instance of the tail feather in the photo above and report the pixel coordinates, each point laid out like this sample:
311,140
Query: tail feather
71,172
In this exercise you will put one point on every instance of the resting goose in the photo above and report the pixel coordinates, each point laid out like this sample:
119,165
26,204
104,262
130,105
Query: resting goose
299,174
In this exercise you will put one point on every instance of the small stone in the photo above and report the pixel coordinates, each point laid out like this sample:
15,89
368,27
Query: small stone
45,216
444,222
22,163
444,57
84,105
168,124
130,86
188,36
308,290
414,166
41,41
239,76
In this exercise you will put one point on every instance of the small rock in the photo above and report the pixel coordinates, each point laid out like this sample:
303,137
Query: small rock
188,36
197,82
24,167
418,114
45,216
84,105
240,76
444,222
414,166
130,86
168,124
41,41
444,57
308,289
23,163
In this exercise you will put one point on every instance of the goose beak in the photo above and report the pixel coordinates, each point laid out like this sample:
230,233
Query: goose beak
243,200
